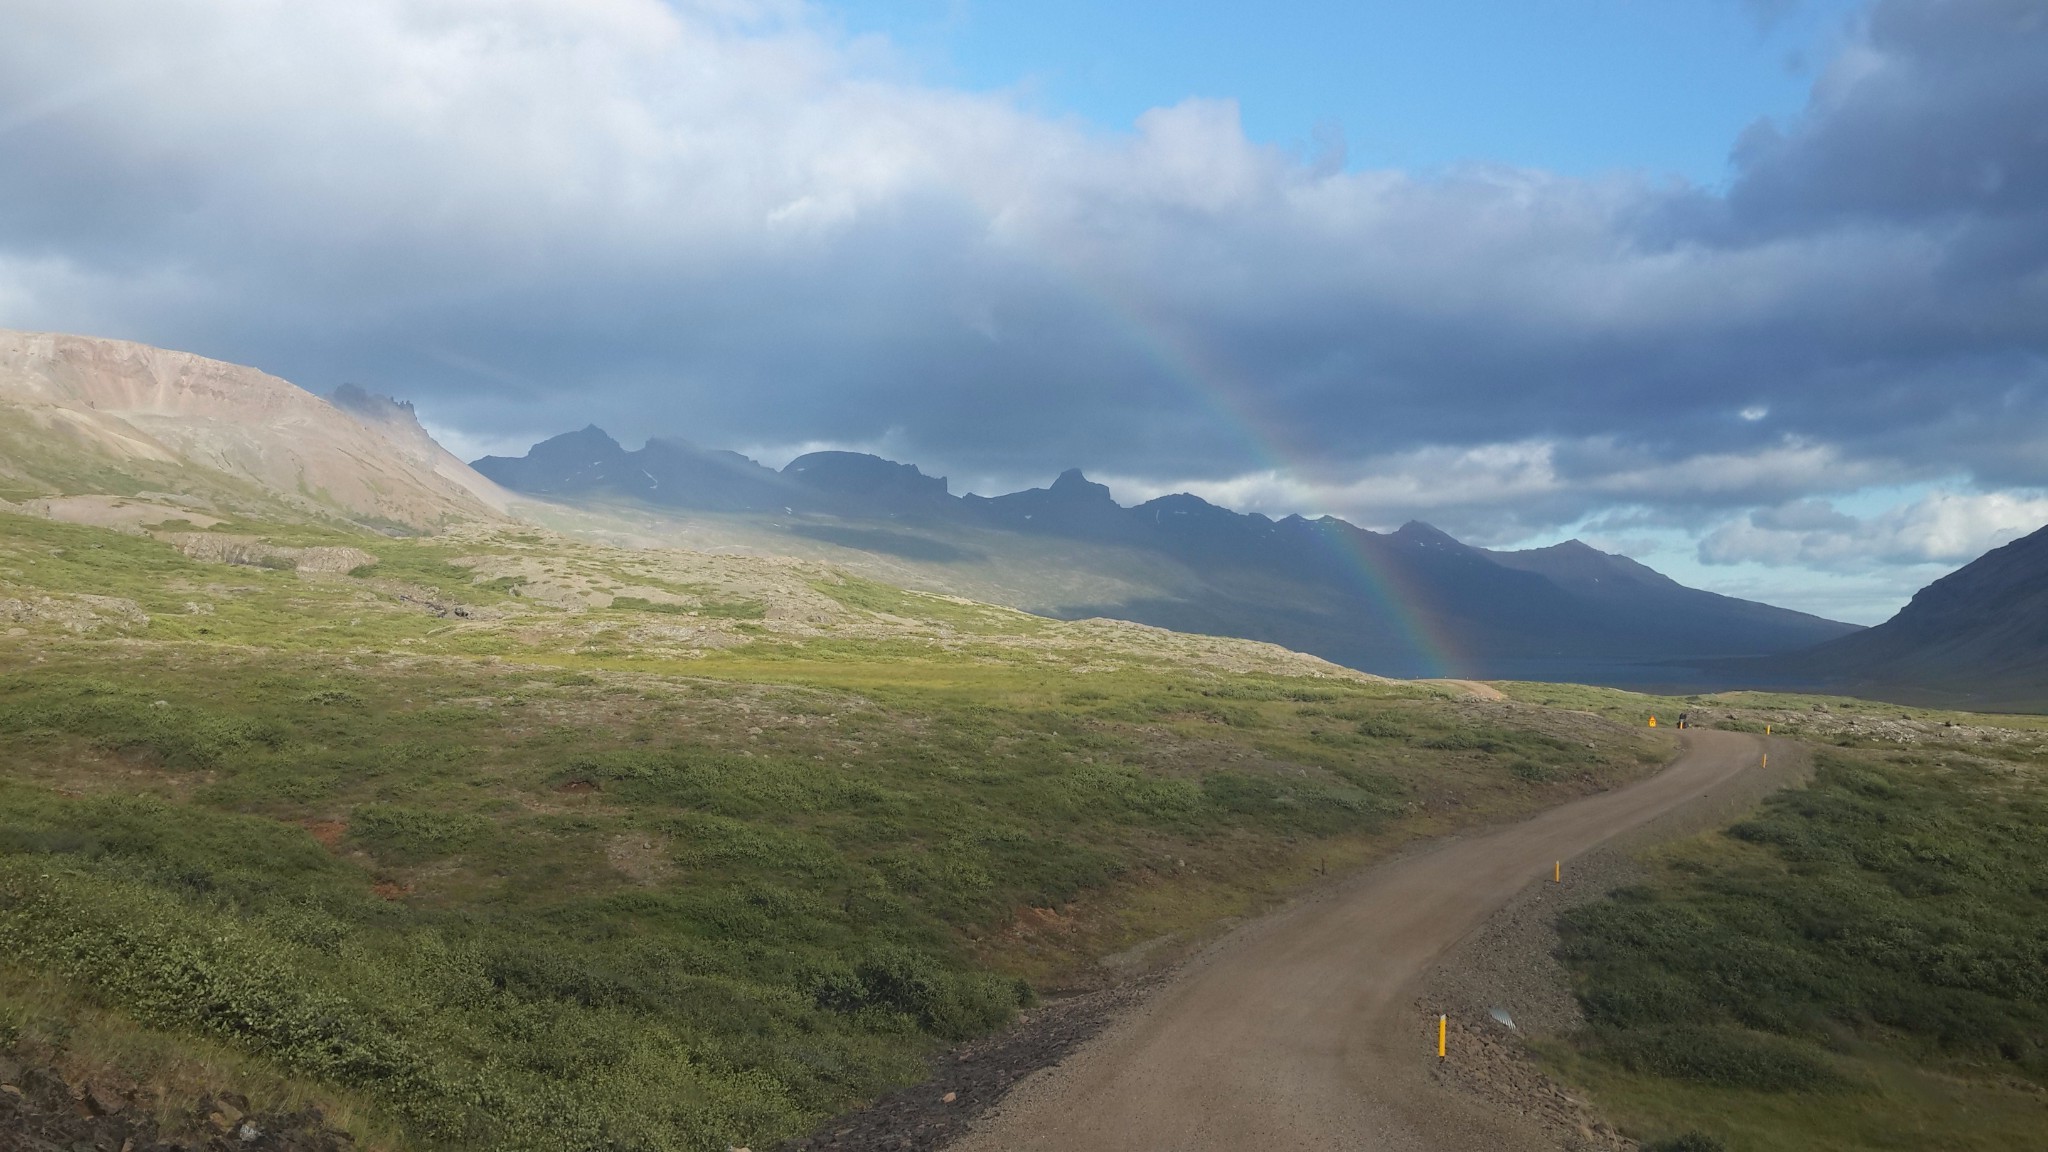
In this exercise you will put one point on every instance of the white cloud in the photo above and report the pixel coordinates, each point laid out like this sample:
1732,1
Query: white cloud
373,160
1504,492
1944,527
723,220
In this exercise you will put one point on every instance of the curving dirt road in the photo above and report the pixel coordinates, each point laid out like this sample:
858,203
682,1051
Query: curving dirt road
1300,1032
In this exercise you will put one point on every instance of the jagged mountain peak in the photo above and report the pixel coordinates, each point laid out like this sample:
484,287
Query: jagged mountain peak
1183,502
587,445
360,401
1191,509
588,434
1072,485
1575,560
1573,548
863,474
1425,533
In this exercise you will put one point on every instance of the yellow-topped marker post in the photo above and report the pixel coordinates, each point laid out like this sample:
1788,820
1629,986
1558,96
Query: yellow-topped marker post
1443,1026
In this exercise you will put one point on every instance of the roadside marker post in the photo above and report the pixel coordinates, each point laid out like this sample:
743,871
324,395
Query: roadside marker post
1557,872
1443,1024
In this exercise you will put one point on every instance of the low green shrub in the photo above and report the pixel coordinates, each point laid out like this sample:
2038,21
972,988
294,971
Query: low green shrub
716,609
1724,1056
402,835
892,979
1694,1141
1382,728
1894,897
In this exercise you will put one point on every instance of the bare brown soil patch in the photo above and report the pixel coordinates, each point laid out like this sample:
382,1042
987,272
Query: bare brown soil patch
640,857
327,832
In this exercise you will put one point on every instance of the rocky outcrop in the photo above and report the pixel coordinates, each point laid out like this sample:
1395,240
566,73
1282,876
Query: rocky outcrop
78,614
225,549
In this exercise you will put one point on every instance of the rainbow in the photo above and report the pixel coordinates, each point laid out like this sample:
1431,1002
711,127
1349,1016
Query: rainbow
1217,390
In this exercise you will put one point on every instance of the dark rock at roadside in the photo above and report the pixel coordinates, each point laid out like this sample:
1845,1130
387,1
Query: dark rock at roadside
41,1112
972,1078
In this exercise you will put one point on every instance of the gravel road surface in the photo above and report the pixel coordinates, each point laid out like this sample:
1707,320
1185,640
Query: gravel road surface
1299,1031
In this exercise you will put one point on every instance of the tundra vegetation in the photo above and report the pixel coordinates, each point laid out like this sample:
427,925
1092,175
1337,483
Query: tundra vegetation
495,839
1862,962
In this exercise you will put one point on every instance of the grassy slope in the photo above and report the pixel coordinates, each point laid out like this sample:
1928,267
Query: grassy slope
1038,574
506,841
1863,963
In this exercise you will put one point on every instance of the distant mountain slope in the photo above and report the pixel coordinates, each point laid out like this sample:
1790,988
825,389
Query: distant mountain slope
1414,601
1637,598
860,484
682,475
1980,632
80,415
590,462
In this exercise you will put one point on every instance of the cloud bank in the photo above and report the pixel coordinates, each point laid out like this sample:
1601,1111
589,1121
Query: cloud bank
1948,528
722,220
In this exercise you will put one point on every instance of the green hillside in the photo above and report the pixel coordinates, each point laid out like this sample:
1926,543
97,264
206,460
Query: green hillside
499,840
1862,962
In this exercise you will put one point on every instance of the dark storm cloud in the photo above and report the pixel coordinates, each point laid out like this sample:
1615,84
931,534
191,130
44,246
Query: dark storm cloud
714,221
1937,114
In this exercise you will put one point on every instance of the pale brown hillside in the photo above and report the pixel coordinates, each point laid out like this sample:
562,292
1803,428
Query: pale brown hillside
87,416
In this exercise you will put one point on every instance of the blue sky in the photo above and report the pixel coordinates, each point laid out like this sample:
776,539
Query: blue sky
1573,86
1753,290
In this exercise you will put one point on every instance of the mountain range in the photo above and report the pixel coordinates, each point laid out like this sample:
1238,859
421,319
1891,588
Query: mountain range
1411,602
126,435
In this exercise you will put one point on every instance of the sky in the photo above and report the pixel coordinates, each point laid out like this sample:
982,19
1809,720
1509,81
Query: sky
1578,87
1755,291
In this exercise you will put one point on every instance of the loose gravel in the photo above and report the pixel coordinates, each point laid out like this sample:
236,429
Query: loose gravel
1510,963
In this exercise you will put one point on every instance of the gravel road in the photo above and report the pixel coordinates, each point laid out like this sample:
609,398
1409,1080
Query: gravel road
1299,1031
